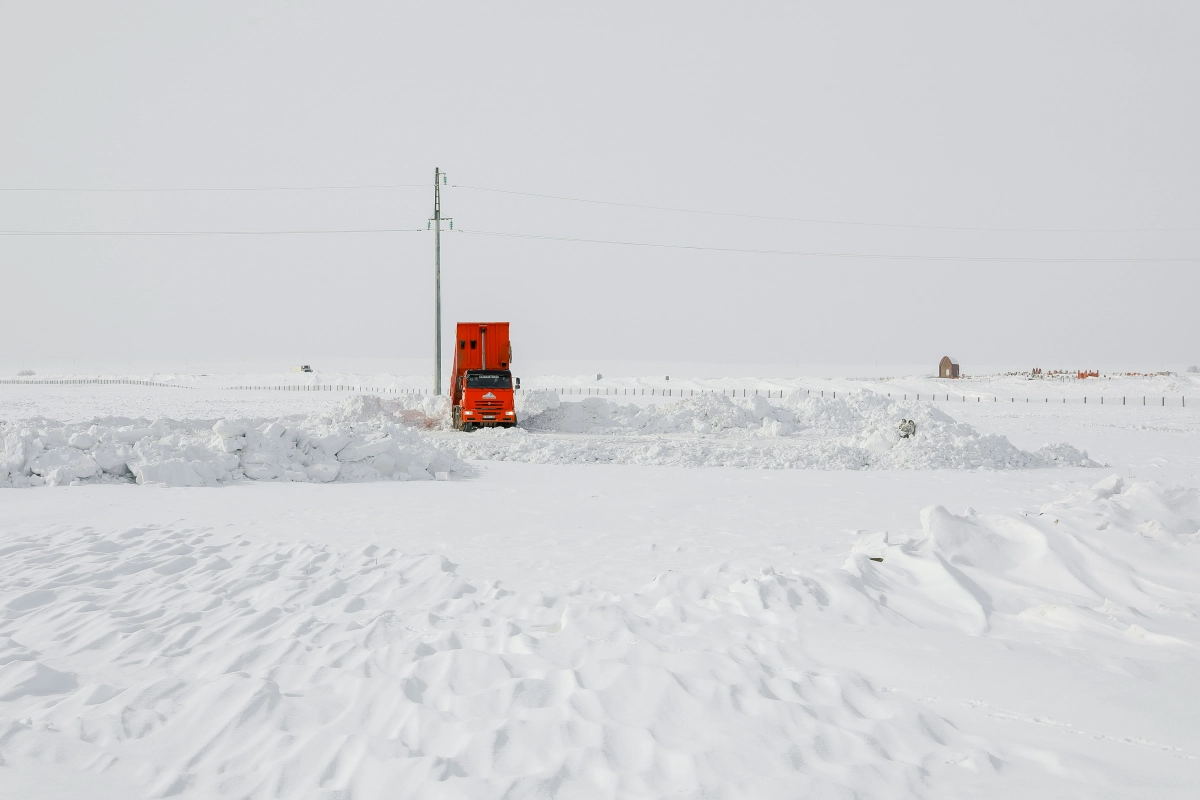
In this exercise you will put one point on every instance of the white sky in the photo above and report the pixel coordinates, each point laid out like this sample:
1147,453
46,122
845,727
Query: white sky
1002,115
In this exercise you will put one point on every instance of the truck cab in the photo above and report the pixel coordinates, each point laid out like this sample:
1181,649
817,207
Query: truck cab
486,399
482,385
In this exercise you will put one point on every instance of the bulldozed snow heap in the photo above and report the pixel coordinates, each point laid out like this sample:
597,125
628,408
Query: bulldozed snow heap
364,439
858,431
407,438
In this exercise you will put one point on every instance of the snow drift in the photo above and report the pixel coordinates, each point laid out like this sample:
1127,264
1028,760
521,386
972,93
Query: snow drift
192,666
858,431
1111,562
199,664
362,439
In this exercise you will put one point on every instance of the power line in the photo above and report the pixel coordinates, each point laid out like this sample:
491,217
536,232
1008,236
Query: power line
818,254
824,221
657,245
206,233
673,209
218,189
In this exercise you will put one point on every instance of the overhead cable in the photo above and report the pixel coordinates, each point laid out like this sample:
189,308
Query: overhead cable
205,233
217,189
820,254
823,221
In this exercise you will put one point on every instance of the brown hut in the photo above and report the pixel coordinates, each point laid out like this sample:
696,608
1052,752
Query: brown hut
948,368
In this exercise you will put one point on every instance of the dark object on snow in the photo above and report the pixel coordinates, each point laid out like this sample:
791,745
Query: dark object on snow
873,558
907,428
948,368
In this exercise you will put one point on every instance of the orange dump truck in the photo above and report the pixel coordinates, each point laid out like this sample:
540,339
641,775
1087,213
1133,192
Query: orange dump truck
481,385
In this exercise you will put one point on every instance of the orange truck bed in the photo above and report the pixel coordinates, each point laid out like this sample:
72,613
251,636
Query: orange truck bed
481,383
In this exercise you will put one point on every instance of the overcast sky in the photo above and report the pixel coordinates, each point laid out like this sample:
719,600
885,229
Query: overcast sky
1062,130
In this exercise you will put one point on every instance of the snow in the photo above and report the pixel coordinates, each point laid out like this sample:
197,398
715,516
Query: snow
362,439
854,431
363,670
367,438
917,626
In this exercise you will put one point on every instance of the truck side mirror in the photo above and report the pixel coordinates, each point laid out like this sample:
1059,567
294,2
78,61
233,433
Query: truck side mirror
518,384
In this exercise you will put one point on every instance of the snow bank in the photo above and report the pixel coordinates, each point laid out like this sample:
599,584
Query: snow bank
854,432
190,662
363,439
369,438
1112,562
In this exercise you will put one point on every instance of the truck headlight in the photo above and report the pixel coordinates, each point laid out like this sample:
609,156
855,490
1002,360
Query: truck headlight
469,413
508,413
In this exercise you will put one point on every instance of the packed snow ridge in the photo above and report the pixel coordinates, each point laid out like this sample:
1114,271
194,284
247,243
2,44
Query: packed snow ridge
857,431
191,662
368,438
359,441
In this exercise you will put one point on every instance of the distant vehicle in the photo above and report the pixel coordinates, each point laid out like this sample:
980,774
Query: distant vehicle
481,384
301,368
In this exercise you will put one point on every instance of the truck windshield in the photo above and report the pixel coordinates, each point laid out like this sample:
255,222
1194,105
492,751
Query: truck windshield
489,380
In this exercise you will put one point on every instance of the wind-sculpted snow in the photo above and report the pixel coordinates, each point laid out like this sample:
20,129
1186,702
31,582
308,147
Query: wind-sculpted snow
1111,562
854,432
362,439
185,662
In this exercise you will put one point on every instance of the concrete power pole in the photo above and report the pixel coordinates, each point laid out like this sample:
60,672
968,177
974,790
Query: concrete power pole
437,281
439,179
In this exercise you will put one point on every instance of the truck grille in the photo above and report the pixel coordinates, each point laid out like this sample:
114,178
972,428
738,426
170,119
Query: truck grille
489,404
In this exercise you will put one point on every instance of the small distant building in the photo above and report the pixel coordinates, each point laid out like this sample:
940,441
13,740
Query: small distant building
948,368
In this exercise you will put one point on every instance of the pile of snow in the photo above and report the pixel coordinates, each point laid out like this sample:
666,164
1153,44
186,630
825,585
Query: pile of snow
173,661
858,431
363,439
1111,562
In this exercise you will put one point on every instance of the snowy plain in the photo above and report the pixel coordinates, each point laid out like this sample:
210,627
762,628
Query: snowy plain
572,618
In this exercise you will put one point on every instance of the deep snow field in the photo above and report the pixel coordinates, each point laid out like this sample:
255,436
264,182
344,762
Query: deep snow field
211,592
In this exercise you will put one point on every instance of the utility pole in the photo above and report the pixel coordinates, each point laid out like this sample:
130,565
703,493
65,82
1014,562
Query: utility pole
437,281
439,180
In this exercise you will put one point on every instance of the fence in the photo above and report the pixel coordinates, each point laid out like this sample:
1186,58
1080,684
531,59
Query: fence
329,387
933,398
769,393
82,381
601,391
655,392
